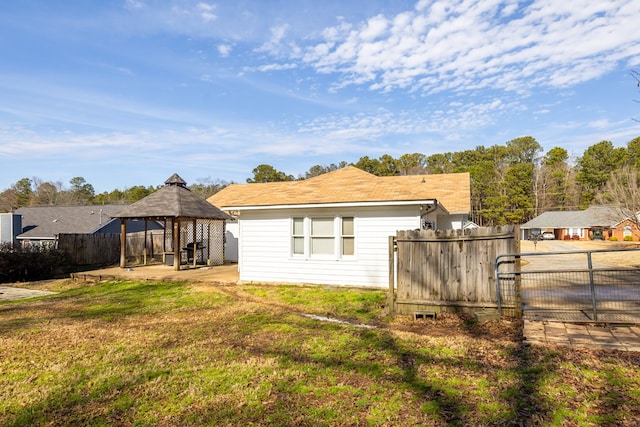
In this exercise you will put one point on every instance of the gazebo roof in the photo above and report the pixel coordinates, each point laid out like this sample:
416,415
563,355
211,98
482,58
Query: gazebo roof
174,200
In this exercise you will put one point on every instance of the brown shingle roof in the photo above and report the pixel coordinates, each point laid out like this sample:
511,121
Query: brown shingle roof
351,185
173,200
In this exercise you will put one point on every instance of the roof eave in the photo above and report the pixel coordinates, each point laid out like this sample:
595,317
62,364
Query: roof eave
331,205
21,237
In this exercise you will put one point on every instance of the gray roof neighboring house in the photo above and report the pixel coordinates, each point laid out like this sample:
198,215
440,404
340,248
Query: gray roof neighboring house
46,222
174,200
595,216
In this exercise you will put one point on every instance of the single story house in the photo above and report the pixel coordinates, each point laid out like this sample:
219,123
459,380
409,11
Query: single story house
334,228
596,222
42,224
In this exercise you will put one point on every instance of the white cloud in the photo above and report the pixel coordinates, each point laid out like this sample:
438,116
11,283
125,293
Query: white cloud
224,49
277,67
206,11
134,4
599,124
382,124
497,44
376,27
274,44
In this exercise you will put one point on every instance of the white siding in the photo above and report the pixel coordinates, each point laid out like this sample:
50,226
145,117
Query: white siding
231,235
265,247
451,222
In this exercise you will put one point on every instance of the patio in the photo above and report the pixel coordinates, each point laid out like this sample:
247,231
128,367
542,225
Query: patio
227,273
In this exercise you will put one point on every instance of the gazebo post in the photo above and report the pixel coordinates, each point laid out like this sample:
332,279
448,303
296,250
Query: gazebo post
164,241
123,242
176,244
144,247
195,242
224,240
209,242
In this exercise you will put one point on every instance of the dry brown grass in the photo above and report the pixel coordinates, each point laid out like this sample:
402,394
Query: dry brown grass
618,257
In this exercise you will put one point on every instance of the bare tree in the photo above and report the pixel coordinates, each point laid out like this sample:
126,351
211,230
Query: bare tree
8,200
46,193
622,190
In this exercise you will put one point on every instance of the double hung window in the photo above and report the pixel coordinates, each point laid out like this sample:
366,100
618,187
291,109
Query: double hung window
348,236
298,236
323,236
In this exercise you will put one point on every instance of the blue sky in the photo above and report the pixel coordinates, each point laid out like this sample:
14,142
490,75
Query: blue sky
127,92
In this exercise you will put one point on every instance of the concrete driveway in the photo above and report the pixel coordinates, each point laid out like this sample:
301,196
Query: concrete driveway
583,335
227,273
8,293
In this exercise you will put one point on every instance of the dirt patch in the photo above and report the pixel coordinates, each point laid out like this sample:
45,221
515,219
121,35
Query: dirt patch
450,325
227,273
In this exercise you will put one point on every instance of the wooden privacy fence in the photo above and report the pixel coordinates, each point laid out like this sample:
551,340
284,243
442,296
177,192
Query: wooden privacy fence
447,270
90,249
135,245
104,249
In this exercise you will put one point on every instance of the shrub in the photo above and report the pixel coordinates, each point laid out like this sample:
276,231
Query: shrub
628,238
575,237
20,264
613,239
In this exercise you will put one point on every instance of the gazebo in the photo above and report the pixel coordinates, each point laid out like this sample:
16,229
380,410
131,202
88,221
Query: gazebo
188,219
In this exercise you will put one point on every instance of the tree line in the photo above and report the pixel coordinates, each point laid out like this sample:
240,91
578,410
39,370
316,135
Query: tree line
36,192
510,183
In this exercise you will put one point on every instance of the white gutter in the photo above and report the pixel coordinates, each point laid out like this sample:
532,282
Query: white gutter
20,237
331,205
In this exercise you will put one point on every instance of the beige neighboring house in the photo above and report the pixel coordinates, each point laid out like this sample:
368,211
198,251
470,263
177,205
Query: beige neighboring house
334,228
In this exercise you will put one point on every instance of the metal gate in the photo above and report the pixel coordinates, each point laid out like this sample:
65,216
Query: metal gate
571,286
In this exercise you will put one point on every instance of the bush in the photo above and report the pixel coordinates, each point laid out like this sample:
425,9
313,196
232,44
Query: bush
628,238
613,239
21,264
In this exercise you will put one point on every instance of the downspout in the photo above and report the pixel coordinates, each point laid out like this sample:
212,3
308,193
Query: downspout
427,210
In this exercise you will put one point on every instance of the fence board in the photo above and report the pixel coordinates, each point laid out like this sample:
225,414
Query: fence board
104,248
90,249
449,268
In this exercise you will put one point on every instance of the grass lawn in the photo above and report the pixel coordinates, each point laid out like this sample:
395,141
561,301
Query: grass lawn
179,354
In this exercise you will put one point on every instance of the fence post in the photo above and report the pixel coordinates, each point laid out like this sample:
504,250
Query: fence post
592,287
517,284
498,284
390,295
123,242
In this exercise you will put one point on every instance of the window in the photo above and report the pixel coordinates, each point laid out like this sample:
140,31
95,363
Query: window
348,237
322,236
575,232
298,236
